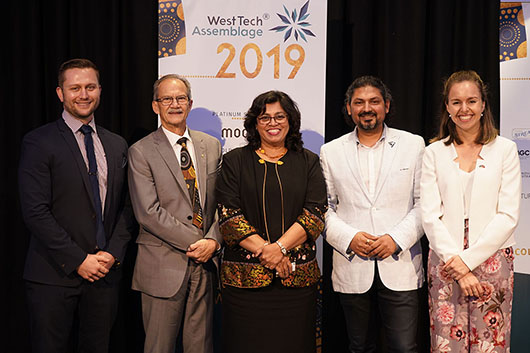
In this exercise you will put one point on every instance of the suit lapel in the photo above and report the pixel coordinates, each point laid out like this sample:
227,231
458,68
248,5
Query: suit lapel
455,172
390,148
70,140
111,167
168,156
350,151
200,159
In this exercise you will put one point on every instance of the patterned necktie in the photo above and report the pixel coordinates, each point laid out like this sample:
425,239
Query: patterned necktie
93,177
186,164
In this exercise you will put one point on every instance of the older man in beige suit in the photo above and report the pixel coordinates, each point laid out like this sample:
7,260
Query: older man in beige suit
172,175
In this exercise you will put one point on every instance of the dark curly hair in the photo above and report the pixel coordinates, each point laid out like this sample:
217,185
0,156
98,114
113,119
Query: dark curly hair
364,81
293,140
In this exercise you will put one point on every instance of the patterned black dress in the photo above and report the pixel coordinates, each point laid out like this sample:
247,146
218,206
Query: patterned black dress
261,312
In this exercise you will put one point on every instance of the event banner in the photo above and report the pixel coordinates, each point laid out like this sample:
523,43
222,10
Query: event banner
515,109
233,50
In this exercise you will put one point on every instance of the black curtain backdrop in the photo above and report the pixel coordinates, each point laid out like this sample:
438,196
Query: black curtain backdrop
411,44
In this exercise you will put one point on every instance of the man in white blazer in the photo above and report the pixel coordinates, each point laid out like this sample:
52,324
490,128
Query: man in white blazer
373,222
172,176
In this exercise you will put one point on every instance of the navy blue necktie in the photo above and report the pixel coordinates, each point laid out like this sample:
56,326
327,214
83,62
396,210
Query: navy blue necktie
93,177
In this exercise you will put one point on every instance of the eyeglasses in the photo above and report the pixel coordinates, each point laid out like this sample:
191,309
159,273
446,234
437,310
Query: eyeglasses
181,100
265,119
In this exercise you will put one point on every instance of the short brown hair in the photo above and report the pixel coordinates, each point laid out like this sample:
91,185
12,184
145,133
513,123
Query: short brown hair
488,131
75,64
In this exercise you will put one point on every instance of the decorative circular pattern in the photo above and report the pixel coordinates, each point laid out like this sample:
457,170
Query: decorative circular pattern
508,34
185,159
168,29
521,50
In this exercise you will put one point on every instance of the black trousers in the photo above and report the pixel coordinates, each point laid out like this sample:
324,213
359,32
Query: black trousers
398,311
54,309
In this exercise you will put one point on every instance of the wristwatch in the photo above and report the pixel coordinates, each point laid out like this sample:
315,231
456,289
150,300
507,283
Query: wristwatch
282,248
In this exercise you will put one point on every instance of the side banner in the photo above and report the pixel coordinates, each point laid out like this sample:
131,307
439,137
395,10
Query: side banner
515,124
515,109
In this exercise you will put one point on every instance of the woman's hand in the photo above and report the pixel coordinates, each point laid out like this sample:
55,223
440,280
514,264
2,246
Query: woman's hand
456,268
470,285
259,250
284,268
271,256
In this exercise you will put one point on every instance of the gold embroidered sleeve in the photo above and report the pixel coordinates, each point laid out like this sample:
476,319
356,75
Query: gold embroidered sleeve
305,275
233,225
312,222
245,275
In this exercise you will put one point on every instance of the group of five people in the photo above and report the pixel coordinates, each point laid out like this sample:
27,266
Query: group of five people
375,191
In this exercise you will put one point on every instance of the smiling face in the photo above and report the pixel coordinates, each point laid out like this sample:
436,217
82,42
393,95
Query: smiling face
173,116
80,93
273,133
368,109
465,106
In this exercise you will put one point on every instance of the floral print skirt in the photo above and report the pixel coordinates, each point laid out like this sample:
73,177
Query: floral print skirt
471,324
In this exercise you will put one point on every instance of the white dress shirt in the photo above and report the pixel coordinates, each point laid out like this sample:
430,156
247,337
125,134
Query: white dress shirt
370,161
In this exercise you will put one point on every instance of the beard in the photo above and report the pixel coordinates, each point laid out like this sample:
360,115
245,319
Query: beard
367,125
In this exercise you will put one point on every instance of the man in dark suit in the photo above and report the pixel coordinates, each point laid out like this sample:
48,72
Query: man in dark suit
172,176
72,179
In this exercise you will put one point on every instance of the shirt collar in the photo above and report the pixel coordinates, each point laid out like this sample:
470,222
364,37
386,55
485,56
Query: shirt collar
381,139
173,138
75,124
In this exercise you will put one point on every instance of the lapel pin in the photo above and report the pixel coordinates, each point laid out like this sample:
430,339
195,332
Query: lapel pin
391,143
482,166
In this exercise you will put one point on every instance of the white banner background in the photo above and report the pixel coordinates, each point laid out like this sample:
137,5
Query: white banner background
233,53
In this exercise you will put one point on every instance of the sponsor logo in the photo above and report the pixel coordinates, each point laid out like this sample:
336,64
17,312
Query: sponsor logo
522,138
228,132
521,134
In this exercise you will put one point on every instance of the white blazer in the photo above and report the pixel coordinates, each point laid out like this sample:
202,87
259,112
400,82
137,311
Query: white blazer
493,208
394,209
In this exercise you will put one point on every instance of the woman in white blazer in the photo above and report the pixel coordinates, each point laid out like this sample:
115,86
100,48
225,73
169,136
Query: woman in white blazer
470,196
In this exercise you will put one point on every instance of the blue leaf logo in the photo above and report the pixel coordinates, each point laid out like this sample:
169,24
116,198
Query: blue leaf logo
294,23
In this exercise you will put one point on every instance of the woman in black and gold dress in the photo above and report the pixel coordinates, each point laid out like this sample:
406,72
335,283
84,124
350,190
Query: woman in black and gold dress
272,200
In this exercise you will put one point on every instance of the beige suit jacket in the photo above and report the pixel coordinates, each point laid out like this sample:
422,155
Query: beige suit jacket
163,209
